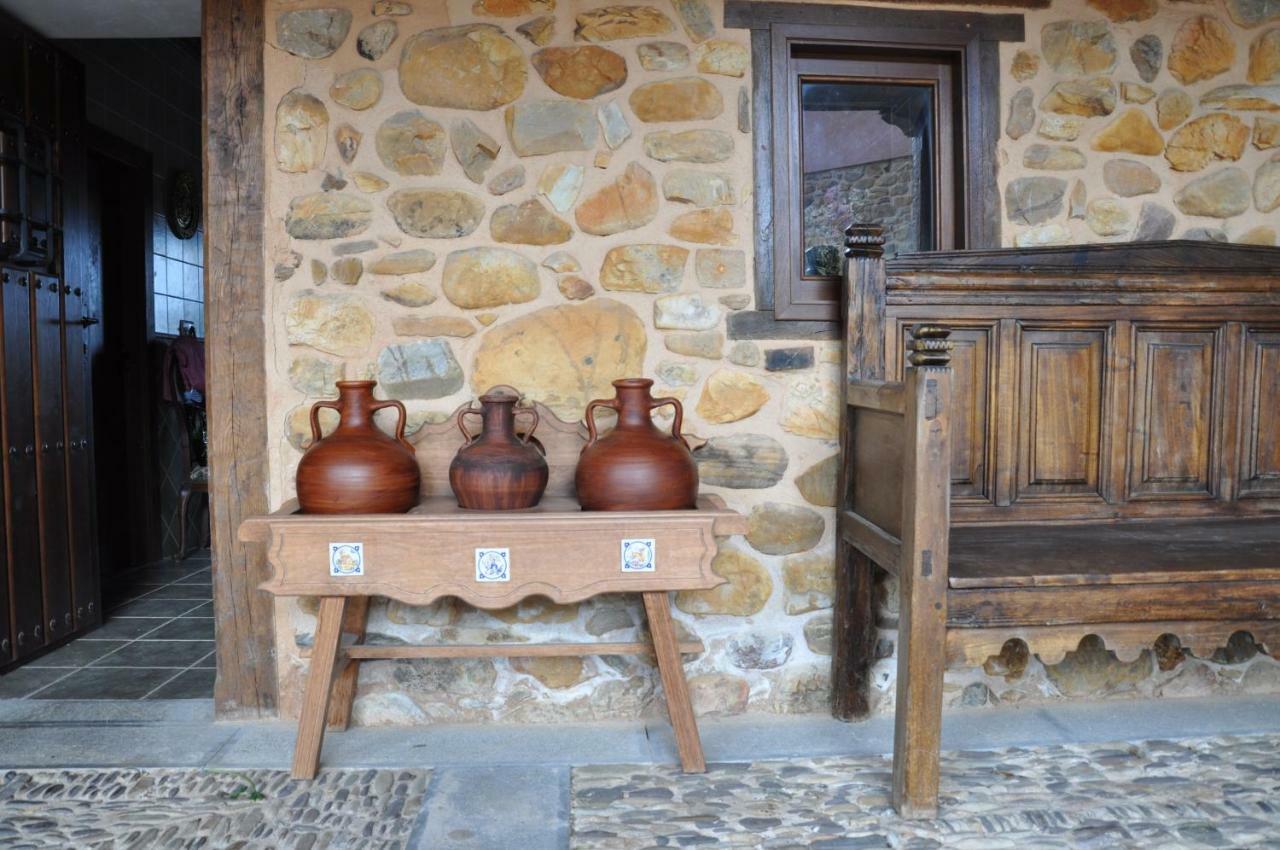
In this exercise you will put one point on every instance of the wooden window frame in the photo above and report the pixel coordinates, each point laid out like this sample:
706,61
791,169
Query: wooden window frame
800,296
973,40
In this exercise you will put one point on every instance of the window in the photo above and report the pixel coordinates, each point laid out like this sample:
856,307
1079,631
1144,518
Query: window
867,140
177,294
887,116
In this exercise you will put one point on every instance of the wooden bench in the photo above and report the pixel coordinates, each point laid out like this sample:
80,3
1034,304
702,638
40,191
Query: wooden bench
1049,443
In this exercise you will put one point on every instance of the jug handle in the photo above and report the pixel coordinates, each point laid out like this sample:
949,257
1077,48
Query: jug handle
462,425
675,426
611,403
528,435
400,424
315,417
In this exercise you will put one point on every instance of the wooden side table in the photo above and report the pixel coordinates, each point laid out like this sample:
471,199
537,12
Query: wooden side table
489,560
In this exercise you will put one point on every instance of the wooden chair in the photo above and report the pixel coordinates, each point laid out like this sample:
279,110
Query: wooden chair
1100,455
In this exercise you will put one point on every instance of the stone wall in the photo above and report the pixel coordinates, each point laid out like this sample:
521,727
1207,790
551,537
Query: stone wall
1138,119
552,195
884,192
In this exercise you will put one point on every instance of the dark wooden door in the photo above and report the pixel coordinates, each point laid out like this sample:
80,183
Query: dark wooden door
6,633
51,464
81,261
48,582
79,460
26,587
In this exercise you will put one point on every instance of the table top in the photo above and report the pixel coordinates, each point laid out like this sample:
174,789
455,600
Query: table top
492,559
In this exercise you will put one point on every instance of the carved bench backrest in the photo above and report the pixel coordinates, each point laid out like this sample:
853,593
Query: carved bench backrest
1092,382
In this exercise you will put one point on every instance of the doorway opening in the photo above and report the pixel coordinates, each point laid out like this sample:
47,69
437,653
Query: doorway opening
137,257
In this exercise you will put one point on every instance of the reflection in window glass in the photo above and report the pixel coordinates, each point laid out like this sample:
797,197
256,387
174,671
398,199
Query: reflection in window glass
867,156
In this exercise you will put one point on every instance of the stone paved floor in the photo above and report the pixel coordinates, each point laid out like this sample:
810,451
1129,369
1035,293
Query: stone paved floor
172,809
1220,792
1156,795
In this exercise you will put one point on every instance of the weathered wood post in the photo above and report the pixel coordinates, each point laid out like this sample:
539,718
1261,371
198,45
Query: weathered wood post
854,627
922,572
235,294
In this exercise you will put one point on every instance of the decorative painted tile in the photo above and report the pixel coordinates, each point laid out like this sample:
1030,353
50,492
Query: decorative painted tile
346,559
639,555
493,565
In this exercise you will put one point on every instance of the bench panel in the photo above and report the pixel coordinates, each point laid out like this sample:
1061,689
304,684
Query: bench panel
1061,389
1119,553
1177,386
1260,465
1132,603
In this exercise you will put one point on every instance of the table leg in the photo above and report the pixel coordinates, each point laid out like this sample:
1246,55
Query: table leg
344,688
315,701
657,607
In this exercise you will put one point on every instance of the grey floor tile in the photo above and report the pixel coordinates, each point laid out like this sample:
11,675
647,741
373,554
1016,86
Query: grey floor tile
194,592
190,684
159,653
124,628
156,608
78,653
106,683
113,600
86,714
205,610
201,577
124,745
210,661
26,680
152,575
488,807
184,628
117,586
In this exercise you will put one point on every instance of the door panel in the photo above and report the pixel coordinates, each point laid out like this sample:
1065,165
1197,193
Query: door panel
50,455
12,71
81,262
79,475
1062,385
1260,431
20,465
1174,434
42,63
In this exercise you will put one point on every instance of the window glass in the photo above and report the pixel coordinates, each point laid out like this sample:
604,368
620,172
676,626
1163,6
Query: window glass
177,293
866,155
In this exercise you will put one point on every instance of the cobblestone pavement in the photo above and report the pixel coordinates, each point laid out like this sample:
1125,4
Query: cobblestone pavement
1219,792
172,809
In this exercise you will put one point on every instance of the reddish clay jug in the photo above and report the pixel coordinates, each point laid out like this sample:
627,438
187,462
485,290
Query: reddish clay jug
357,469
636,467
497,470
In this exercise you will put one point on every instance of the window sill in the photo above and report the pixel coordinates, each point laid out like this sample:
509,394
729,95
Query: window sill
762,324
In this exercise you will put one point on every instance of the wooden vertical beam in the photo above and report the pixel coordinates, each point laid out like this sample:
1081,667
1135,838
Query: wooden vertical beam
922,576
854,616
235,295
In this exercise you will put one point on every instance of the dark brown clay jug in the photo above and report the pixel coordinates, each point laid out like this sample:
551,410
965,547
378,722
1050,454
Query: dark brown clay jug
636,467
497,470
357,469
